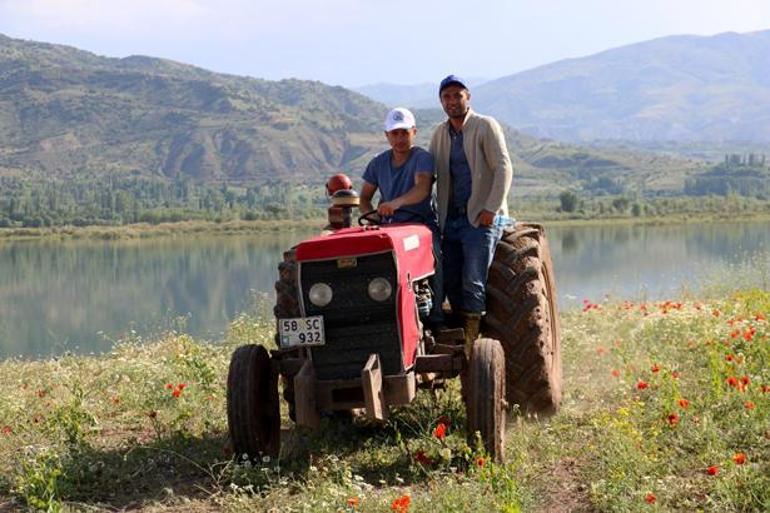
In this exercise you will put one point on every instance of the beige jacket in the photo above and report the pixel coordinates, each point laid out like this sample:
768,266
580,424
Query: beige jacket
488,159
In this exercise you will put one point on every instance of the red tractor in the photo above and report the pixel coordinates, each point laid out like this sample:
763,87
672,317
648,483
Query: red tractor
350,309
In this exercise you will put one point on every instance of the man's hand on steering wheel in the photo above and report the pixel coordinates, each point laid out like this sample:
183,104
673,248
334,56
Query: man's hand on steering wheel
377,217
388,208
369,218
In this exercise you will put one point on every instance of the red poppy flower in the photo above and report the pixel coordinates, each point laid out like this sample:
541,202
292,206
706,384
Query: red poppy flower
684,403
712,470
675,374
169,386
749,405
650,498
739,458
655,368
729,357
765,389
440,431
353,502
748,335
178,390
401,504
732,381
480,461
641,385
7,430
673,419
615,373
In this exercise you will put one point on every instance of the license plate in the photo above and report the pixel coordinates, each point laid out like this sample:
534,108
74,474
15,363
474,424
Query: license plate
301,331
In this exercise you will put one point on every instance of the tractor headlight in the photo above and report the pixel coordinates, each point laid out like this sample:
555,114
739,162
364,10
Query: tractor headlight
380,289
320,294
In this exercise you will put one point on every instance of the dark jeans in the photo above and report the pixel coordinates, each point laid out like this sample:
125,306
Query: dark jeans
467,253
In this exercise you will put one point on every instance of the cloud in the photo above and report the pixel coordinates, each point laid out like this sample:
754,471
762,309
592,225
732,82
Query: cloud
360,41
223,17
99,15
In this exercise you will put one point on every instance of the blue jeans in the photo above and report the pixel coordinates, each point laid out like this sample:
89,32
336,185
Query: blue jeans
467,253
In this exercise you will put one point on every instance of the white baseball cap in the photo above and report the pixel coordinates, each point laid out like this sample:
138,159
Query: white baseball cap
399,118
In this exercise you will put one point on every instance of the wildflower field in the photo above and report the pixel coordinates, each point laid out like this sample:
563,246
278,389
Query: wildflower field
666,408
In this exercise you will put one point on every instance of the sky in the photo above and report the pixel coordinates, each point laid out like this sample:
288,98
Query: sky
358,42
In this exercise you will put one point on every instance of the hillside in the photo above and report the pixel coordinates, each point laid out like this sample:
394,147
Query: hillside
547,167
678,88
64,111
70,114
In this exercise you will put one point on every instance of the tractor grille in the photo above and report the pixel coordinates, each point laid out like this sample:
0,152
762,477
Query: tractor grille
355,325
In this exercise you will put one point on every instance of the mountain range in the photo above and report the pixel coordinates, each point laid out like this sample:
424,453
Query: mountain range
676,88
68,113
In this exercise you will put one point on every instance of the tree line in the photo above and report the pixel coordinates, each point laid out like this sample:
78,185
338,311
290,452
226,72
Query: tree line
120,200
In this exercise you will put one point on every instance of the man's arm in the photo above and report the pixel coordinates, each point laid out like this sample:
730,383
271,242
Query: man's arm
365,198
423,181
499,161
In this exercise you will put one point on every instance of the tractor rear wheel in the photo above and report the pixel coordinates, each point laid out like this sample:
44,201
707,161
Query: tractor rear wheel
286,307
253,413
486,398
522,315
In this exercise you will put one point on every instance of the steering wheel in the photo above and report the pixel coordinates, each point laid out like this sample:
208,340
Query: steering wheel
373,218
369,218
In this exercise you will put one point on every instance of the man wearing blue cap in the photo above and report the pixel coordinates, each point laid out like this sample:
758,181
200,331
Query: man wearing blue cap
404,175
473,171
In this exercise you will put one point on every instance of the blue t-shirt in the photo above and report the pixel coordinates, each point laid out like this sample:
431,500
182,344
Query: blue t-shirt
397,181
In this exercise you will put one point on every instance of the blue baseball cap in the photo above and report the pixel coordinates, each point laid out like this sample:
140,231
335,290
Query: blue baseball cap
451,80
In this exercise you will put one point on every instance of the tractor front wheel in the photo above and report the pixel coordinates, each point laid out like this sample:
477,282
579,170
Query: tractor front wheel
287,306
253,413
486,401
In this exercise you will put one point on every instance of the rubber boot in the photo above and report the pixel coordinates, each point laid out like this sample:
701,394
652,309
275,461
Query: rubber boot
471,326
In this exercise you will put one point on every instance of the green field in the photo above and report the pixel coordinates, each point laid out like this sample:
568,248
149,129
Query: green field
666,408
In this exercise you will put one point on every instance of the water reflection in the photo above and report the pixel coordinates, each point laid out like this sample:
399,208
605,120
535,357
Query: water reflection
652,262
57,296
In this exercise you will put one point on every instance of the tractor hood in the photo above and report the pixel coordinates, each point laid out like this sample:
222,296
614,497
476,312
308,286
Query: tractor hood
412,244
412,248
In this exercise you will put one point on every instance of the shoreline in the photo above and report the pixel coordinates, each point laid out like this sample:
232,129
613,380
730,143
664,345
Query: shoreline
185,228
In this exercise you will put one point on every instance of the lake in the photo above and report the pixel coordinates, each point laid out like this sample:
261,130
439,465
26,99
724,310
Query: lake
80,296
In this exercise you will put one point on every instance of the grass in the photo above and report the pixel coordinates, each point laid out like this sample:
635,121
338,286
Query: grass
658,397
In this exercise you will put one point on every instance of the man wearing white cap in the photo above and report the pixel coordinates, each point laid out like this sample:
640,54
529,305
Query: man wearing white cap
404,175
